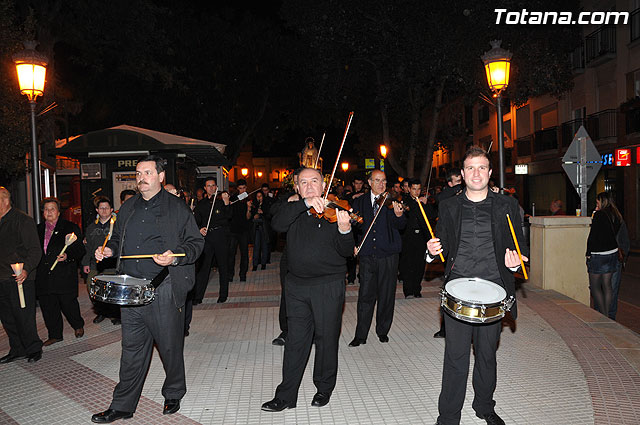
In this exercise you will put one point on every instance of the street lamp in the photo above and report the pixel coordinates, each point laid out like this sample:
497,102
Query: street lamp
345,166
383,151
497,64
31,67
244,172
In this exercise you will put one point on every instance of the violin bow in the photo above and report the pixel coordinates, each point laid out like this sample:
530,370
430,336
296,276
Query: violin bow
372,223
212,204
333,173
319,151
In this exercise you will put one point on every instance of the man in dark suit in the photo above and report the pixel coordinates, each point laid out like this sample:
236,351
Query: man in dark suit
57,289
153,222
19,323
473,232
378,259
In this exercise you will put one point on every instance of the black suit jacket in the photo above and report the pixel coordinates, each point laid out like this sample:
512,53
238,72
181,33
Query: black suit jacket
180,234
64,278
448,230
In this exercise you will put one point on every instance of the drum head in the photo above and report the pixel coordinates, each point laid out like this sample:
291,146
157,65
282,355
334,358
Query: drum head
122,279
475,290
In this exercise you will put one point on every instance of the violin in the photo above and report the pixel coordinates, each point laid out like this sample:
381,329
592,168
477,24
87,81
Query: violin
388,201
334,204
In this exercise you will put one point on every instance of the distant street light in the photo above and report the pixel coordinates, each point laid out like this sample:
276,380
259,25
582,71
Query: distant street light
259,174
497,64
244,172
345,166
31,67
383,151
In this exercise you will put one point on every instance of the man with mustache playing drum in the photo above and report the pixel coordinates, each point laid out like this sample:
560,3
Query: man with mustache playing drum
473,234
153,222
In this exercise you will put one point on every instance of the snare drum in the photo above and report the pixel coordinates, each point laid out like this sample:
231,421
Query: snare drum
475,300
121,290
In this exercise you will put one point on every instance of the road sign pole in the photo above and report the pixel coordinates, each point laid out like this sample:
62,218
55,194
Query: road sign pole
583,176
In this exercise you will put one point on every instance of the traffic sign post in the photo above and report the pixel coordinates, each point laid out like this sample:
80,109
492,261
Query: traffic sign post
582,162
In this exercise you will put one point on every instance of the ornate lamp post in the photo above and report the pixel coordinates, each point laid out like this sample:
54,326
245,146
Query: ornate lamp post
31,67
497,64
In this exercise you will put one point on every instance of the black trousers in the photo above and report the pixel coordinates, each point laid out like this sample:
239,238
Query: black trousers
352,262
282,313
239,240
160,322
19,323
216,244
53,306
412,261
456,367
314,314
378,277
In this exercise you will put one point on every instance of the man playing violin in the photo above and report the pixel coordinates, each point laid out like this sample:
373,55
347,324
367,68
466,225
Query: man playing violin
379,255
473,234
317,250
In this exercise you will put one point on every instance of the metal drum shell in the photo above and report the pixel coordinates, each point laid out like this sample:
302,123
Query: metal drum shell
130,291
472,312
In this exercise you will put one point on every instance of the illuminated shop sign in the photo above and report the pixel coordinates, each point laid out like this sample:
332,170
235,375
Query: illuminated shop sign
607,159
623,157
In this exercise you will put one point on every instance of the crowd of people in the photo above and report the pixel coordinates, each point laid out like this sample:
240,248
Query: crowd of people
189,234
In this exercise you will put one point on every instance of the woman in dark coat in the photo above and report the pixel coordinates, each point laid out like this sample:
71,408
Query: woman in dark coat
602,251
57,289
261,230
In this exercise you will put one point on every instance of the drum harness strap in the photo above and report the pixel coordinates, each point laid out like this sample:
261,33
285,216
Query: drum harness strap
160,277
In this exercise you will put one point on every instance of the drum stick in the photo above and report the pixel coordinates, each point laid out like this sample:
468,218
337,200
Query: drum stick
125,257
513,234
106,239
17,270
428,224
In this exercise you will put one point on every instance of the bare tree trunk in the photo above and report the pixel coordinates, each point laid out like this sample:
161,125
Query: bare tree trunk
432,131
250,127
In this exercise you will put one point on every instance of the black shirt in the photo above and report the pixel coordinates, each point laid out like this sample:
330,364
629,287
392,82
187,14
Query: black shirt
144,236
476,256
219,216
239,221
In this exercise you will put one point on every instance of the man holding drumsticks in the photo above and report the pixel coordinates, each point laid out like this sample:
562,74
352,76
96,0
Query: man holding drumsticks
473,234
153,222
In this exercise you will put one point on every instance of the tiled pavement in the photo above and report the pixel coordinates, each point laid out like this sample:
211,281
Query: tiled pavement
561,363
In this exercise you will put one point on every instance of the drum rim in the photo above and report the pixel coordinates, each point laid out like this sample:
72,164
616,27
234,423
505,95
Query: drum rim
469,303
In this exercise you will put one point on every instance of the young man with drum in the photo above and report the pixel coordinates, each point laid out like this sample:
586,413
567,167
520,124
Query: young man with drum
473,233
153,222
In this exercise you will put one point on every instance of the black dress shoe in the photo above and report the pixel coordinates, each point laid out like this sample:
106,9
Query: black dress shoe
109,416
243,279
357,341
34,357
99,318
170,406
264,267
196,302
10,358
408,297
492,418
116,321
222,300
277,405
280,340
320,399
383,338
440,334
418,295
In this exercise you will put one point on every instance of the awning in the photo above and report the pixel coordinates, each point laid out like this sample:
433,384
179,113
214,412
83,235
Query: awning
126,140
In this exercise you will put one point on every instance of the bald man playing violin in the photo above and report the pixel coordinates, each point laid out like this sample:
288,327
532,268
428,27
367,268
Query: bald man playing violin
314,290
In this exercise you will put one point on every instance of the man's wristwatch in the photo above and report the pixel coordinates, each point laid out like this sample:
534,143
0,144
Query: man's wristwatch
175,261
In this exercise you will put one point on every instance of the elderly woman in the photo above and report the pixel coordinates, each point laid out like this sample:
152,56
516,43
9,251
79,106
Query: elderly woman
602,251
57,289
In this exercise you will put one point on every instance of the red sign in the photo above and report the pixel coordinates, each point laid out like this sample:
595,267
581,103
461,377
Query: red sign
623,157
638,155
